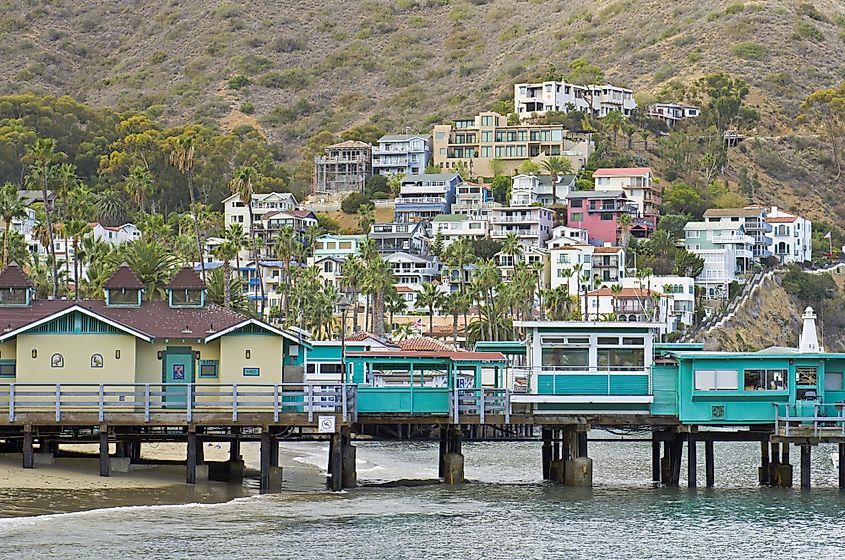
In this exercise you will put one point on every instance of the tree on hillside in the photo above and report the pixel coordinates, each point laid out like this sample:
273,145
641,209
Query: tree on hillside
556,167
139,185
378,278
724,101
431,297
825,109
243,184
42,155
12,206
501,188
182,158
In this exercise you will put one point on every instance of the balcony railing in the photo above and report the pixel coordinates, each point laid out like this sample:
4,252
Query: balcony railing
421,200
178,401
809,419
514,219
732,239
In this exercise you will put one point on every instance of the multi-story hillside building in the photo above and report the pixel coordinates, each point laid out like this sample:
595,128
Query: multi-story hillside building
236,212
532,256
539,98
639,187
345,167
474,199
116,235
334,245
413,238
408,154
792,236
672,113
267,229
533,224
576,266
475,143
541,189
414,270
598,212
753,220
680,290
565,235
452,227
726,250
424,196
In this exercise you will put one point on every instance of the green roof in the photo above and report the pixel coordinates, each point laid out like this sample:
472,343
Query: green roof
450,218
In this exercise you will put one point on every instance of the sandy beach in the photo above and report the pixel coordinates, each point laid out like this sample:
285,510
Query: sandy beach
74,483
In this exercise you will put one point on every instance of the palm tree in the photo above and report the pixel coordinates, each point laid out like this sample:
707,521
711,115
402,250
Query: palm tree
539,268
217,288
430,296
485,281
351,281
11,206
237,236
285,248
556,167
139,185
403,332
613,122
645,134
111,207
394,304
310,238
377,279
624,221
182,158
226,251
456,304
512,246
366,216
243,184
153,262
76,230
615,291
458,256
42,154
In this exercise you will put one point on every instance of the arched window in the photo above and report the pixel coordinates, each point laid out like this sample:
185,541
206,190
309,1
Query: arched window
96,360
57,360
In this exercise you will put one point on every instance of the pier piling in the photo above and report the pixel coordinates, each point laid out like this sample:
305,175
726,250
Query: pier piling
348,454
271,472
578,467
655,458
28,452
805,465
709,464
841,448
105,461
191,462
766,468
547,453
453,460
444,442
677,449
692,462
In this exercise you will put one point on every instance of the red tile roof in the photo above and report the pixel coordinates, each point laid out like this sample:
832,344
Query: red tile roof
607,249
781,219
625,293
621,171
358,336
124,277
187,279
13,277
424,344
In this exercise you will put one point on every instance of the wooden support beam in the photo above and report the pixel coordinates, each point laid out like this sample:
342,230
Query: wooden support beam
709,464
105,461
763,472
582,444
692,462
805,465
677,449
28,452
191,462
266,459
655,459
336,463
444,442
547,452
841,447
784,456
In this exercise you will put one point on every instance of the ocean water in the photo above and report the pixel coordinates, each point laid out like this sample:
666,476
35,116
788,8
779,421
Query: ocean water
505,512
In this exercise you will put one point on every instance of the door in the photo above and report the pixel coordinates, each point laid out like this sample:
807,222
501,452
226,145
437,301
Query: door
177,373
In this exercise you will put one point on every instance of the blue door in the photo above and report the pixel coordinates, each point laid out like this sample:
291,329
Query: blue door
177,373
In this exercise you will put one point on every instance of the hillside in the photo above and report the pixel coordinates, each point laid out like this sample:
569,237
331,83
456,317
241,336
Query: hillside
300,67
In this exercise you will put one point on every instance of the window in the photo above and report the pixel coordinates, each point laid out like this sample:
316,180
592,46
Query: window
208,368
97,361
577,216
716,380
57,361
186,297
832,380
620,358
693,234
606,217
566,357
765,380
124,296
13,296
806,375
577,203
8,368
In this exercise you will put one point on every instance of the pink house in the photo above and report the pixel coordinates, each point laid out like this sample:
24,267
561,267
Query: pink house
598,213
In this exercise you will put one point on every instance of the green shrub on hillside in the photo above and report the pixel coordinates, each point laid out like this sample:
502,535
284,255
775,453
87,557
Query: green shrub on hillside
806,30
238,82
353,202
749,50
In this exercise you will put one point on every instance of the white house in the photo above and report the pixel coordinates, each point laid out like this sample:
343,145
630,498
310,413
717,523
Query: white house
631,305
680,291
414,270
539,98
565,235
408,154
791,236
532,224
473,199
577,266
117,235
638,185
672,113
533,189
452,227
236,212
530,256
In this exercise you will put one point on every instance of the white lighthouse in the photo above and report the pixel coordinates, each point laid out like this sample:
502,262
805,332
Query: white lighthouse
808,343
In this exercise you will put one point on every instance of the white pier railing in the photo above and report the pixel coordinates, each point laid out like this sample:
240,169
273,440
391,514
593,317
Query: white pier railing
188,399
809,419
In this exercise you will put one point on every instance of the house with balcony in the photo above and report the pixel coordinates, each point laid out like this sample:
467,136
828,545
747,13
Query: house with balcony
414,270
476,142
792,239
536,99
406,154
565,235
422,197
726,250
580,266
753,221
236,212
673,113
452,227
267,228
532,224
629,304
540,189
638,184
336,245
474,199
413,238
535,257
115,235
345,167
598,212
680,294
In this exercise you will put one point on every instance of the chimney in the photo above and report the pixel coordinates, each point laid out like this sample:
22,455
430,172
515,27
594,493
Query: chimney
808,343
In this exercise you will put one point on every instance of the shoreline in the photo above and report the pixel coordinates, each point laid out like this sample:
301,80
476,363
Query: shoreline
73,484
